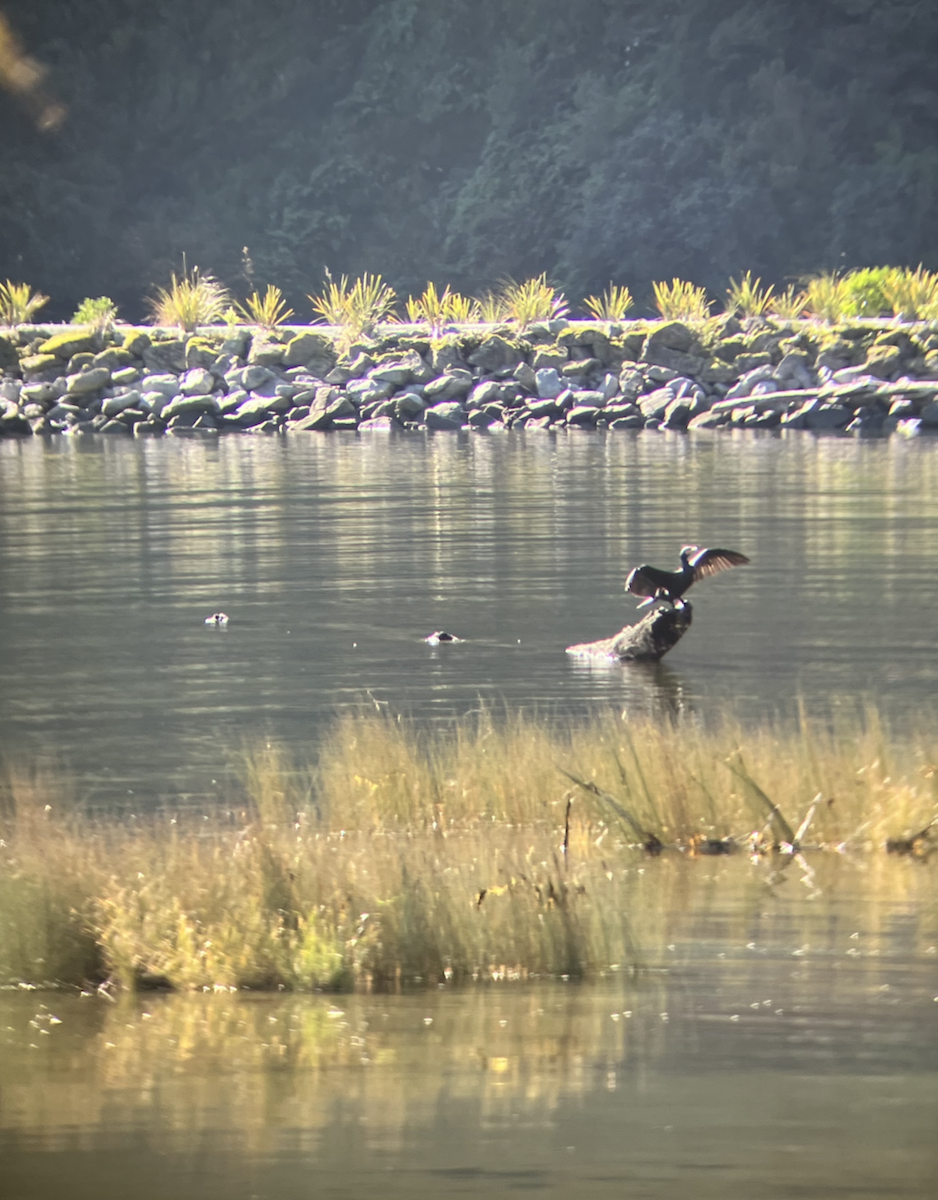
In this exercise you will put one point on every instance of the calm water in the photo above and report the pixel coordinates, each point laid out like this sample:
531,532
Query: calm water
334,556
782,1042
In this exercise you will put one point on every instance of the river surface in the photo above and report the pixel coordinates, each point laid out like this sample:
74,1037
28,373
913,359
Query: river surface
781,1041
334,557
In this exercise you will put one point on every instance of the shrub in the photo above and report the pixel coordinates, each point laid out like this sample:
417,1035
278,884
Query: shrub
190,300
863,292
99,313
825,297
267,311
612,305
681,301
748,297
18,303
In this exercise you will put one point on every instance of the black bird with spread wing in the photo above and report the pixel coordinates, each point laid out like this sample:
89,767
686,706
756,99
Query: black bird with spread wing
696,563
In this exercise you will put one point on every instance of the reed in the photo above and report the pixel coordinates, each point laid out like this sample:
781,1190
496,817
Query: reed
788,305
437,309
532,300
491,849
912,295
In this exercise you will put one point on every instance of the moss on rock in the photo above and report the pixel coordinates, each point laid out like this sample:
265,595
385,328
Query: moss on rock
71,342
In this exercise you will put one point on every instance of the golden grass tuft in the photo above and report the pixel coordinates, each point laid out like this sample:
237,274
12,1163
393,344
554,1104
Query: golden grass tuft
492,849
191,299
267,311
354,307
18,303
612,305
680,300
748,297
437,309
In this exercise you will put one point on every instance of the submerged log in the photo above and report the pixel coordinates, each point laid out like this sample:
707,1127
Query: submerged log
648,641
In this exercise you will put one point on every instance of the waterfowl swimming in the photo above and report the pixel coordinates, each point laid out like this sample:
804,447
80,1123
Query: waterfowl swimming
218,618
441,636
696,563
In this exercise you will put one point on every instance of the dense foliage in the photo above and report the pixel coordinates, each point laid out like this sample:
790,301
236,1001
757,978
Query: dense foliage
467,141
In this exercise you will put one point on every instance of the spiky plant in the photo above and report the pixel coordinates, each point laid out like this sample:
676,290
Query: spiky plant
826,297
789,305
491,309
912,295
681,301
18,303
191,299
267,311
533,300
436,309
355,307
612,305
748,297
99,313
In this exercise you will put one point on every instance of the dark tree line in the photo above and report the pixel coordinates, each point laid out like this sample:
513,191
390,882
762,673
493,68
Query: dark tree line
469,140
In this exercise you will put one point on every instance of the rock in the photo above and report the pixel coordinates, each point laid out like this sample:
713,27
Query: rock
114,405
547,357
883,361
751,362
136,341
184,405
409,405
495,354
39,367
160,357
543,408
631,382
671,335
114,358
655,403
167,385
673,360
548,383
583,414
236,342
525,376
71,342
609,386
446,416
655,374
308,346
379,425
88,382
911,427
9,359
715,371
929,415
448,387
266,353
484,393
708,420
445,354
78,362
42,394
197,382
253,411
125,375
820,416
200,352
630,421
398,371
251,377
580,366
677,413
231,402
367,391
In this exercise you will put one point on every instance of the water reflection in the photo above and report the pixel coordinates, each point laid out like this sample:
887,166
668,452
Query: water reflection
780,1042
335,556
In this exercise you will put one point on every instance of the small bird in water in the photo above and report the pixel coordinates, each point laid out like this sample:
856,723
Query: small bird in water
218,618
441,636
696,563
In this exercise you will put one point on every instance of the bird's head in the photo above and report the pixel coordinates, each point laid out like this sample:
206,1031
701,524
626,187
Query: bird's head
686,552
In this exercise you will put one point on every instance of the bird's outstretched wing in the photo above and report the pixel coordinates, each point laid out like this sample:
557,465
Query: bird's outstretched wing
712,562
645,581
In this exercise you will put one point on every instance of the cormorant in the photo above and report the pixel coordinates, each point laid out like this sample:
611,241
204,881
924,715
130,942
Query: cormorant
696,564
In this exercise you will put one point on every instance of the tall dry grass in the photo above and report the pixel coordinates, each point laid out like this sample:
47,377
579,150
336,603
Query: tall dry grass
493,849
